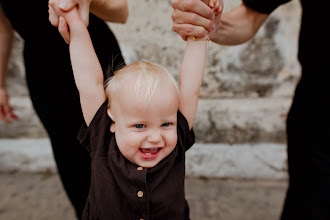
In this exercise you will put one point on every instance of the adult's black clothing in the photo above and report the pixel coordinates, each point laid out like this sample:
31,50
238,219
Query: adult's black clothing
308,130
121,190
52,88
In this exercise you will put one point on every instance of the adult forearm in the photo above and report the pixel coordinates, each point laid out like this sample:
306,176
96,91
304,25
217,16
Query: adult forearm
110,10
237,26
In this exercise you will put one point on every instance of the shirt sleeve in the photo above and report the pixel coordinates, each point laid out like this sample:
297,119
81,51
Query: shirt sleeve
96,133
186,137
264,6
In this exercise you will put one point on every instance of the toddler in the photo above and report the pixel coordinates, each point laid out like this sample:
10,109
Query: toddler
138,128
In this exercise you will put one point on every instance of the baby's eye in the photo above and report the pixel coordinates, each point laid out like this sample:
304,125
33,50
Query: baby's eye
166,124
139,126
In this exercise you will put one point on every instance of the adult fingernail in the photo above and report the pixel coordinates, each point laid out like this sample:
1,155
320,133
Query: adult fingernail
63,5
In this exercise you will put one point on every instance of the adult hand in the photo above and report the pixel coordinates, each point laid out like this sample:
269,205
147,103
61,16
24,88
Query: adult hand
6,111
57,7
194,17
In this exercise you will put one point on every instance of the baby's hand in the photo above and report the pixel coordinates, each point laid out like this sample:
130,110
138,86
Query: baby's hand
57,17
54,12
217,7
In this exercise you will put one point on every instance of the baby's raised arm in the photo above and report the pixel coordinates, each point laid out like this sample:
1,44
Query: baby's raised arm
192,72
191,77
87,70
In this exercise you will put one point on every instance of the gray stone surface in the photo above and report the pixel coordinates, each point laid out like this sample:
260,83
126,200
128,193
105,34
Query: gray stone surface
26,155
41,197
230,121
236,121
240,161
265,66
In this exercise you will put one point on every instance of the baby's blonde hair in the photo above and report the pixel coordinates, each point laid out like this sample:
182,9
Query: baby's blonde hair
147,75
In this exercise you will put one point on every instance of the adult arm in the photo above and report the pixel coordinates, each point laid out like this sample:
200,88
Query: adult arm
6,43
110,10
107,10
234,27
87,70
237,26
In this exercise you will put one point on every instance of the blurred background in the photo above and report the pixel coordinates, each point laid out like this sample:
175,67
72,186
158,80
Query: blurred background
237,169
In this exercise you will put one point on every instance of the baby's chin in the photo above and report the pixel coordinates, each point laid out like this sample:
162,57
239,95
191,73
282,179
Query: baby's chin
147,164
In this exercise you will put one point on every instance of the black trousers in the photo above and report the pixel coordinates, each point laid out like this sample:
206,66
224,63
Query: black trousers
308,139
56,101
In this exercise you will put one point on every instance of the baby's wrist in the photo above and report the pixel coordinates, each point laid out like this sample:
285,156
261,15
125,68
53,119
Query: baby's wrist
206,38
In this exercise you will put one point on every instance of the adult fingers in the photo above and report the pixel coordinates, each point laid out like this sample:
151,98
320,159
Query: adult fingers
186,30
63,29
3,115
6,114
180,17
9,113
52,16
218,8
196,6
67,5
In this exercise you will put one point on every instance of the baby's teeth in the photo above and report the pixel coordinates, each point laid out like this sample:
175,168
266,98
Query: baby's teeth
148,153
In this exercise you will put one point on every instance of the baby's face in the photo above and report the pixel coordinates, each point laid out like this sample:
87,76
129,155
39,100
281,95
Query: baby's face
145,134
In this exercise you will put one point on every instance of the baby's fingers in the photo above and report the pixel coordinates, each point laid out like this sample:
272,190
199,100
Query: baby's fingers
64,30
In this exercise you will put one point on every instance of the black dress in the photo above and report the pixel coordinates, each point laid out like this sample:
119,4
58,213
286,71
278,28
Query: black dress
308,129
52,88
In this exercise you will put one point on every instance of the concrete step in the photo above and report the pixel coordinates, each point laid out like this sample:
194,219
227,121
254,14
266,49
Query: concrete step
228,121
238,161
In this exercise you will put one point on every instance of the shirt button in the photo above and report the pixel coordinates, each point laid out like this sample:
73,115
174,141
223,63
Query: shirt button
139,168
140,194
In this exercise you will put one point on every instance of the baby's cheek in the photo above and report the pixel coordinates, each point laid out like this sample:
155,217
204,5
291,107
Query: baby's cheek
174,139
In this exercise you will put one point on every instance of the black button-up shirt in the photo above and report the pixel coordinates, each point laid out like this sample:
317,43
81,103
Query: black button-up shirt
123,190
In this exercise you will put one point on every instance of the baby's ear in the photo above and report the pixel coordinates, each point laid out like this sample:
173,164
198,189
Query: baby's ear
113,124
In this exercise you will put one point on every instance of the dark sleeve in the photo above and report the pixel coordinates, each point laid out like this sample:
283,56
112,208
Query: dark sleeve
186,137
264,6
97,132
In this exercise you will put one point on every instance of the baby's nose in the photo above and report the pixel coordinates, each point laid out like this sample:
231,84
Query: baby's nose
154,137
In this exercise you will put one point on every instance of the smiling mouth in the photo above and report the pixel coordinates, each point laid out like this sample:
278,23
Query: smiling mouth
149,153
